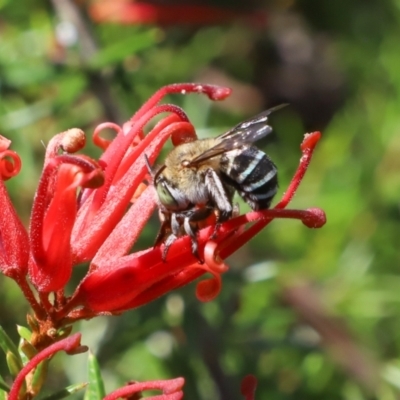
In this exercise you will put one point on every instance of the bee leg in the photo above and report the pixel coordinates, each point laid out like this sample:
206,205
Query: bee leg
189,230
218,194
235,213
216,227
168,243
214,234
165,228
161,234
236,210
191,221
175,228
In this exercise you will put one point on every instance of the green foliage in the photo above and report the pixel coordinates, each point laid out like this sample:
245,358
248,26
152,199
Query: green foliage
66,392
350,267
95,388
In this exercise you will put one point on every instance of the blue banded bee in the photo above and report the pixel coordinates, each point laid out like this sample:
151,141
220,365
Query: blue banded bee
200,178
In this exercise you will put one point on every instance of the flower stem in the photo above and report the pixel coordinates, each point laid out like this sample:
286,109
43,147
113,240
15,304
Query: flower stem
40,313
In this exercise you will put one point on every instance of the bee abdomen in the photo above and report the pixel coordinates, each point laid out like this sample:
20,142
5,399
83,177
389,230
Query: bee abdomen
254,176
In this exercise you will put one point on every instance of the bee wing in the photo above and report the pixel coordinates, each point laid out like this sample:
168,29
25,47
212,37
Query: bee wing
246,132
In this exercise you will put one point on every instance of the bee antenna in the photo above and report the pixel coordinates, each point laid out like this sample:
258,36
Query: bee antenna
278,107
147,162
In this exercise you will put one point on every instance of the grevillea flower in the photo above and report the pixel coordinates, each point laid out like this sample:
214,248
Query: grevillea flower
173,13
92,211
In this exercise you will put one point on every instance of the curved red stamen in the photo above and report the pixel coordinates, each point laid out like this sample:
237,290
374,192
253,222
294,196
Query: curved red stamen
314,218
208,289
101,142
307,148
68,345
10,164
214,92
170,389
171,129
212,258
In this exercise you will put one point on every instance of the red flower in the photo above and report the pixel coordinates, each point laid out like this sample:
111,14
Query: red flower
93,211
145,12
14,242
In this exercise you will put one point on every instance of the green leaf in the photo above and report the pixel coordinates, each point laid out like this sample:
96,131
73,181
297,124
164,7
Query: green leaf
23,356
14,363
14,366
33,324
39,377
7,344
3,386
68,391
95,390
128,46
26,351
3,395
24,332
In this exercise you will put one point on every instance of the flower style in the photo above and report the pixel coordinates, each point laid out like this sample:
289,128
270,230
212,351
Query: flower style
88,211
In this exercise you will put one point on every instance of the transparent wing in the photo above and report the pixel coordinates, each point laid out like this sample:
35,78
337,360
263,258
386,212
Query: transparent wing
246,132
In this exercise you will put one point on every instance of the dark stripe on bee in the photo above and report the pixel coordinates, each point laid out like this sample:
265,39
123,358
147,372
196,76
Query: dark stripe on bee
253,174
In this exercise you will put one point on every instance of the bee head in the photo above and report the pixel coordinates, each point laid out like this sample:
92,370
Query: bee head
170,197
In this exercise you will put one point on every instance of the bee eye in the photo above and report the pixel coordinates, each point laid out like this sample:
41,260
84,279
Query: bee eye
165,196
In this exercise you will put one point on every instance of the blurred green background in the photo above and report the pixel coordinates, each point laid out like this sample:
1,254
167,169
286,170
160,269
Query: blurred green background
314,314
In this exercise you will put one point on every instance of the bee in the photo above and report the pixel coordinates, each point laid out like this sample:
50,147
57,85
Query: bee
200,178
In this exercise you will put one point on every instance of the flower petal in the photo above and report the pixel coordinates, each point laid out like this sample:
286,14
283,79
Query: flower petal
53,216
14,241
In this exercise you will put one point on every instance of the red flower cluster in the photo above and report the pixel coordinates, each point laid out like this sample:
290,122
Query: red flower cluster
93,211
